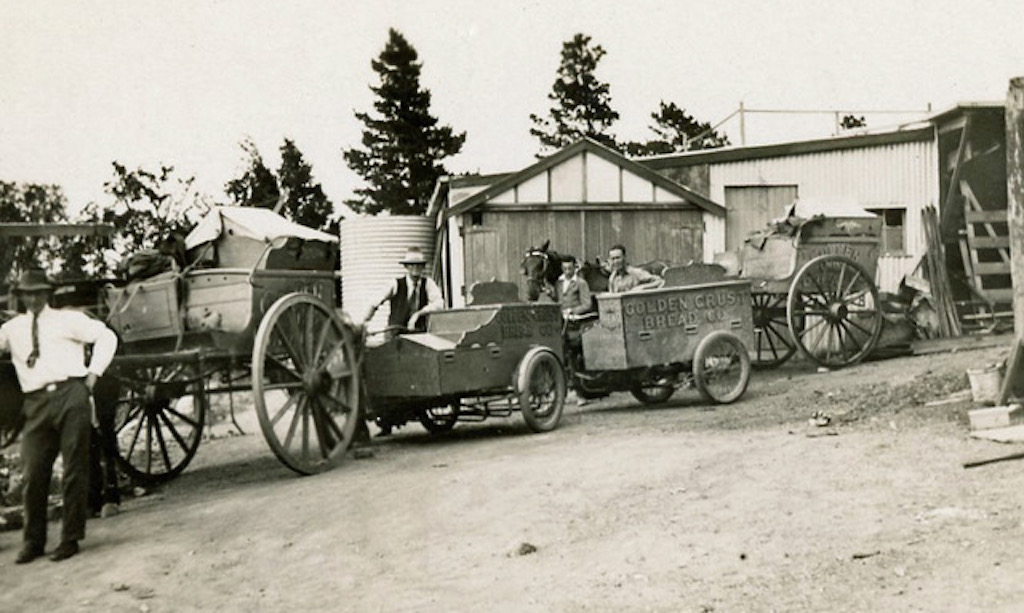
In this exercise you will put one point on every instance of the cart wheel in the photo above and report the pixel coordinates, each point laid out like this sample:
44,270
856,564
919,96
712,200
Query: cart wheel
721,367
540,385
159,414
833,311
649,392
438,420
305,383
773,343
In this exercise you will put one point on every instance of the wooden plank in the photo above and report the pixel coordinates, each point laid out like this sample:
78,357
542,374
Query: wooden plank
991,268
998,295
10,229
990,242
975,206
959,343
996,216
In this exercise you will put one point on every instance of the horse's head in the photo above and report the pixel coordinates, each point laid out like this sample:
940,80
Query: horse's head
595,274
541,267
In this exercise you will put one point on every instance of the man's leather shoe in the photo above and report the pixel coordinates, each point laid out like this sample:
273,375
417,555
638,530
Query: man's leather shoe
27,554
64,551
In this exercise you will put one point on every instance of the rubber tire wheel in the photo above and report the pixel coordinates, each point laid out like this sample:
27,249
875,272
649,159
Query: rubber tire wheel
651,394
313,358
704,372
823,303
540,385
439,424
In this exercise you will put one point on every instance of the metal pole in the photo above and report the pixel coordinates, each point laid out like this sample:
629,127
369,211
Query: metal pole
743,125
1015,196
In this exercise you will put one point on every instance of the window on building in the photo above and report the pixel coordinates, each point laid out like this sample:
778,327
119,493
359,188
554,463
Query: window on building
476,218
893,230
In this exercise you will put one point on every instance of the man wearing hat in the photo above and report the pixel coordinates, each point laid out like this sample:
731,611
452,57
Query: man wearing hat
411,295
47,347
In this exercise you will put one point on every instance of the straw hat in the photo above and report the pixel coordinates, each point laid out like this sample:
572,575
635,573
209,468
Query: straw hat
413,255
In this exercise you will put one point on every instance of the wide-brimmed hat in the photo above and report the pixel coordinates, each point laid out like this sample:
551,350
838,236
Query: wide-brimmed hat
33,280
413,255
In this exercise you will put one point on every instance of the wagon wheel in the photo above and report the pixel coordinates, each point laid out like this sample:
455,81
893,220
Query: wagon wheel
833,311
773,343
438,420
540,386
305,383
159,412
650,392
721,367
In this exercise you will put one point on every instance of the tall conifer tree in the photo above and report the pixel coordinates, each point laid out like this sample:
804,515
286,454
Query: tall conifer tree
402,143
582,102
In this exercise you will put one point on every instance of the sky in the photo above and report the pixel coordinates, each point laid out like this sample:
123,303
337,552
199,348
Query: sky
149,83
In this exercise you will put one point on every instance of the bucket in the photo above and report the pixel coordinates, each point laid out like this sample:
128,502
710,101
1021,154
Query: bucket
986,384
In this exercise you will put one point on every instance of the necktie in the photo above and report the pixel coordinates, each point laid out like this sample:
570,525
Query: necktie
414,299
32,357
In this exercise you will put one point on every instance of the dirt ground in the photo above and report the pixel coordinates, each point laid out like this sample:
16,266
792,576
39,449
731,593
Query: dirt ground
684,507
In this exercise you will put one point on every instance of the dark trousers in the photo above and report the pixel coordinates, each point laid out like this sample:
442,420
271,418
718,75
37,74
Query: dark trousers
56,422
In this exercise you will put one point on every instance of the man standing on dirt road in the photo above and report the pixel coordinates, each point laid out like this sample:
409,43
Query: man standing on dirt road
47,347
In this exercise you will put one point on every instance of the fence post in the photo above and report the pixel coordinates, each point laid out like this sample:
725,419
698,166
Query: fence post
1015,196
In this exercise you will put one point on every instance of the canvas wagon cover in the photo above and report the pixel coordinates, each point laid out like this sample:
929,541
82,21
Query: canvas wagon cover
250,222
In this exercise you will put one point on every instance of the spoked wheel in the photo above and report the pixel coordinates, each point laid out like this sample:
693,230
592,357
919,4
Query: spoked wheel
833,311
540,385
650,392
721,367
305,383
773,343
159,414
438,420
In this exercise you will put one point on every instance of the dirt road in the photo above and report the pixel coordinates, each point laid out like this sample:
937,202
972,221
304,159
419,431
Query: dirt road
684,507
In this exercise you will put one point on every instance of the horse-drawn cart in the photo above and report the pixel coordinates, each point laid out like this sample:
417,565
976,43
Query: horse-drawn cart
255,310
813,288
652,342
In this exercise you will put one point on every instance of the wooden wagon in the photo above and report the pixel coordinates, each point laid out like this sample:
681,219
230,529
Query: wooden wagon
653,342
813,288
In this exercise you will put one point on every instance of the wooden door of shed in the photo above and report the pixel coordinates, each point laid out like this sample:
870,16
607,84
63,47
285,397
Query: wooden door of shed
749,208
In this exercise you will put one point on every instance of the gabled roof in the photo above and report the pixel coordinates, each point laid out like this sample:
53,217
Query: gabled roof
507,182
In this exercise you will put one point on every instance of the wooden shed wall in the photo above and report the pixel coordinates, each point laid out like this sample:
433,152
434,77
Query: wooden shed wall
495,248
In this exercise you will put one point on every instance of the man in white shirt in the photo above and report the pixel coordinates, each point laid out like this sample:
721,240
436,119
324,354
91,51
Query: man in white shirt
47,347
410,296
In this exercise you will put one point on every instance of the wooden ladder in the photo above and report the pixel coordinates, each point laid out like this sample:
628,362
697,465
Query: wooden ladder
985,250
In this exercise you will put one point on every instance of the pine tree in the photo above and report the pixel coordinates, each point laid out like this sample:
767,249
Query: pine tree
305,202
402,144
257,186
582,102
674,131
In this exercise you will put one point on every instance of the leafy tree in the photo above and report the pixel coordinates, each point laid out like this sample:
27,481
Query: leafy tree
305,201
257,186
674,131
147,207
402,143
31,203
849,122
582,103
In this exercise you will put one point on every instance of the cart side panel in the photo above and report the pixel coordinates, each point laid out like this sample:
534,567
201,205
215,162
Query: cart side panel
664,326
230,303
474,349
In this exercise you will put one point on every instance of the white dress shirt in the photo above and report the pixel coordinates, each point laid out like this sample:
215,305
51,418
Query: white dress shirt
63,335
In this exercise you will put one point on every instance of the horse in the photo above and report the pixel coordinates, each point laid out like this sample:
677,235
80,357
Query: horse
542,267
